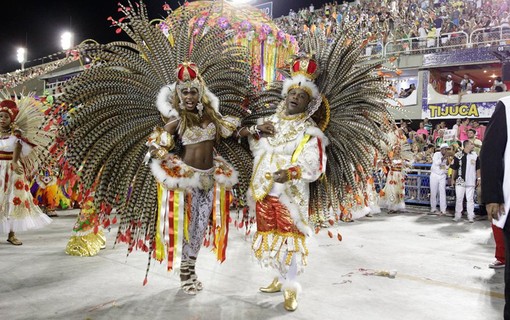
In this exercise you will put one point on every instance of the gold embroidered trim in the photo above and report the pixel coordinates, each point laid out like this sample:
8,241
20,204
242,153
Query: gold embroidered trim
256,194
282,238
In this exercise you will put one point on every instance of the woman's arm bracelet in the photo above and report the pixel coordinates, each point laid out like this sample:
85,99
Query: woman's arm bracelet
253,130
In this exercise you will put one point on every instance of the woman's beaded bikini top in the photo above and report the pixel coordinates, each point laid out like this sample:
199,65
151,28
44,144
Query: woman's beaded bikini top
197,134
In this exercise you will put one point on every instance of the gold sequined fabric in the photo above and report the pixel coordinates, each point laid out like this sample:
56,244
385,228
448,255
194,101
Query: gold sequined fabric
196,134
86,245
272,215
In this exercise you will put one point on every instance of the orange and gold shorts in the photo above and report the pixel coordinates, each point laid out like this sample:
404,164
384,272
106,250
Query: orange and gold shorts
272,215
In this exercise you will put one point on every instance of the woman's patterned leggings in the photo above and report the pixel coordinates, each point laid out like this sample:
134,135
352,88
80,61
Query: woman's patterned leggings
201,209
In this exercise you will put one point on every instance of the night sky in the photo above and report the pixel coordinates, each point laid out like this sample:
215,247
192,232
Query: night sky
38,25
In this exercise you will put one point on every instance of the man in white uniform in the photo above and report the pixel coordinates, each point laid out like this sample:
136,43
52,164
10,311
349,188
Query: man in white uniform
438,172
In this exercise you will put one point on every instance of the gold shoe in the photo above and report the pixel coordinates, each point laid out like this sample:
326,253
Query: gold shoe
290,297
275,286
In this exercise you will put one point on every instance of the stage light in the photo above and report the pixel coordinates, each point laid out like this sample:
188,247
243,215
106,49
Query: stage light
21,54
66,40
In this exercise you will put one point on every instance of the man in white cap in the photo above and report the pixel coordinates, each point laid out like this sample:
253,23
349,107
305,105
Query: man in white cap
448,90
438,172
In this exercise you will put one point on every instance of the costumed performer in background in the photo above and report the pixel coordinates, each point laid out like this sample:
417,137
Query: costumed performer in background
21,144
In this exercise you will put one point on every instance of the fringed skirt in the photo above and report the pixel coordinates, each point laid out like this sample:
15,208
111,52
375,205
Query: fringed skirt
17,209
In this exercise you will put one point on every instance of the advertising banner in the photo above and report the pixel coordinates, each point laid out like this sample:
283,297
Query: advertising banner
453,110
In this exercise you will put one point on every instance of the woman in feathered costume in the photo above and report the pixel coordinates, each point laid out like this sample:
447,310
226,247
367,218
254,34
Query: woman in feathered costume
20,145
172,97
194,119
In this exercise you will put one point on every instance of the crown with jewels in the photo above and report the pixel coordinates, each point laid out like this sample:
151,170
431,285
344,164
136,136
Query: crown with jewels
303,71
188,77
305,66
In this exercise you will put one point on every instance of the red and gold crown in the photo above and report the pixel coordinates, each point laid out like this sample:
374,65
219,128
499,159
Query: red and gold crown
303,71
10,107
305,66
187,71
188,77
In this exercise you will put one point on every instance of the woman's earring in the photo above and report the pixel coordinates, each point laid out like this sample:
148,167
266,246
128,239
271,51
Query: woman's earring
200,108
182,106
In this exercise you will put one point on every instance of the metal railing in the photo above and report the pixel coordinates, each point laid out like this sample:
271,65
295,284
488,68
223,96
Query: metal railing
426,45
417,186
12,79
492,36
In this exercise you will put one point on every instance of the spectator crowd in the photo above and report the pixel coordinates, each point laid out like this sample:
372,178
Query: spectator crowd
428,138
12,79
423,21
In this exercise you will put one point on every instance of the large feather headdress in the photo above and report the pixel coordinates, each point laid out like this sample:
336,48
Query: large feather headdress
351,111
30,124
124,95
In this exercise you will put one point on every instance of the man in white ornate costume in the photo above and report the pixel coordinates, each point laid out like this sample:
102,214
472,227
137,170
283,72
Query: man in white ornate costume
336,114
285,163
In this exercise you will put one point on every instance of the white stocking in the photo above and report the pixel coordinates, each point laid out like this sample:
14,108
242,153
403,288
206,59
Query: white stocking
290,281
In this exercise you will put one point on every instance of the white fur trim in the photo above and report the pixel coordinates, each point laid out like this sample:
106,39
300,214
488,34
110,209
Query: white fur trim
193,181
316,132
223,179
173,183
163,101
301,81
292,285
262,146
215,101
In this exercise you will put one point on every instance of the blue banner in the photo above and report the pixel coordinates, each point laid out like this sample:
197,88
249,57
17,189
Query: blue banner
266,7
